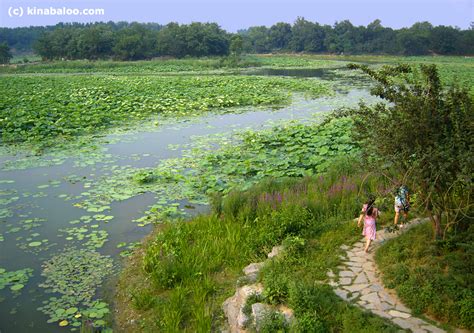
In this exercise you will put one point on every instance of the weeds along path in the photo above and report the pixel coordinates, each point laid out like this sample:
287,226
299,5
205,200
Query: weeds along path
358,282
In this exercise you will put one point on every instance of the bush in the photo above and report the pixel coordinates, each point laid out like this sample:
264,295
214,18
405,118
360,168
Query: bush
431,277
273,322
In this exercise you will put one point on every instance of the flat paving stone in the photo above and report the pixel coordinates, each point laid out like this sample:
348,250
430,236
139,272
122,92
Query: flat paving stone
361,278
346,274
399,314
403,323
345,281
372,298
432,329
355,269
359,281
356,287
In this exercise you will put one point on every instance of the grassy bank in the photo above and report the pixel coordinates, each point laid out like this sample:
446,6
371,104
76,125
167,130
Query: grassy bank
178,280
432,278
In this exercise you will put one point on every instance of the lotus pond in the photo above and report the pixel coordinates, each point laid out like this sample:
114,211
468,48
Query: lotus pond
73,206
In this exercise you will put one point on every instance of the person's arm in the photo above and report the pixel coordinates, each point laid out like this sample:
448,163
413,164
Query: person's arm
360,219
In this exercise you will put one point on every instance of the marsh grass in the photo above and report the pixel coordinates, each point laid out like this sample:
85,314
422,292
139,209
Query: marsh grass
192,267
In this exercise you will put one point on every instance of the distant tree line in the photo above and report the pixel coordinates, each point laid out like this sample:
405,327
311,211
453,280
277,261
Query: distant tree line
134,41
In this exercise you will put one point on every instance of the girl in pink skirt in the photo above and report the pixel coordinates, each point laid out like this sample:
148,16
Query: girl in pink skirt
369,213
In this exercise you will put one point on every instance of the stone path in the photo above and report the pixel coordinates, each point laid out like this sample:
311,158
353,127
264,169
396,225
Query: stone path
358,282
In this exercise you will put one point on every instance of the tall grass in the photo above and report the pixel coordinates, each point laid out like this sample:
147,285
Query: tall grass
192,267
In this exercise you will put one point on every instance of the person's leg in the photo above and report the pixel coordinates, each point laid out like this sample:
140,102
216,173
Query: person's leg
405,217
397,216
367,244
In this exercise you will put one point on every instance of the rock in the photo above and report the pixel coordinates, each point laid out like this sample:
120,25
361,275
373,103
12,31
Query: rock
233,306
341,293
355,269
344,247
402,323
259,310
344,281
432,329
346,274
398,314
361,278
330,274
371,298
356,287
276,250
382,314
399,306
287,313
253,268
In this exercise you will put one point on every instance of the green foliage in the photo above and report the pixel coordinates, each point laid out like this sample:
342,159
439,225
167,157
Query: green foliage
53,108
74,276
431,277
5,54
273,322
427,134
200,260
318,309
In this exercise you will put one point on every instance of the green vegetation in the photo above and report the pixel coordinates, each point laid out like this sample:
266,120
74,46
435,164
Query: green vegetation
427,138
434,278
16,280
289,150
134,41
74,276
176,290
51,109
5,54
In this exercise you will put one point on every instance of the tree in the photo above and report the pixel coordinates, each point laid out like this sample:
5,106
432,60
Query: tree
425,132
279,36
5,54
236,45
307,36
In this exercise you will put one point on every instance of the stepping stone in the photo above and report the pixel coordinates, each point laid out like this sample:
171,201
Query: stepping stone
368,267
384,306
346,274
372,298
361,278
382,314
386,297
358,259
401,307
432,329
355,269
351,263
344,247
345,281
330,274
398,314
418,330
403,323
356,287
375,287
341,293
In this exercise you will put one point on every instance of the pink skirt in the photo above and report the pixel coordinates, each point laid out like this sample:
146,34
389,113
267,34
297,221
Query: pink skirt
369,229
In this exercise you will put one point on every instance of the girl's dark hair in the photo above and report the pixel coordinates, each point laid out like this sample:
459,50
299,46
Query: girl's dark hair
370,206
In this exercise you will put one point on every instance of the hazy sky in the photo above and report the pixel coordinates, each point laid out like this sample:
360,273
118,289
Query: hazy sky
237,14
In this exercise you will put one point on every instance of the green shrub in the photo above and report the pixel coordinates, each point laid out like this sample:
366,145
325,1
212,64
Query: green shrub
275,282
431,277
273,322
